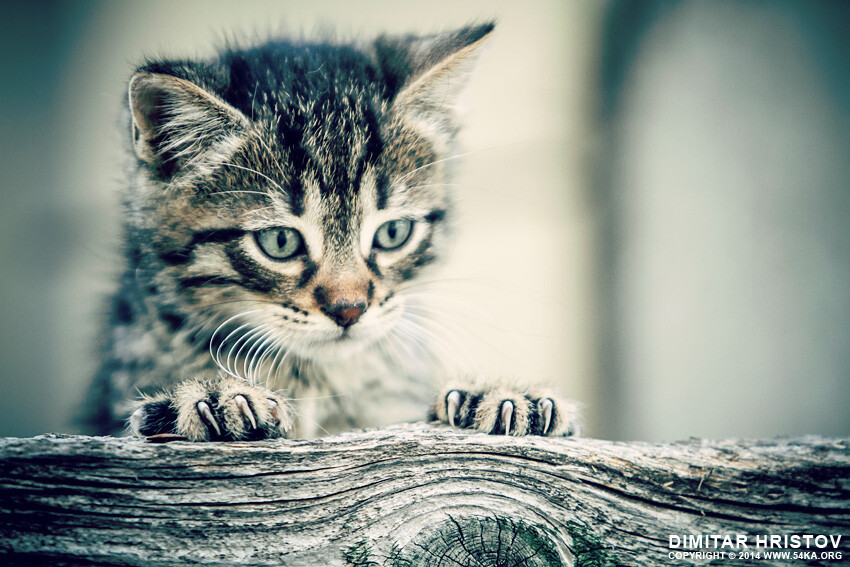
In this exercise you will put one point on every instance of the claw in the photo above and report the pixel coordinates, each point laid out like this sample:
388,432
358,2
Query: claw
243,406
546,407
507,413
452,403
136,421
207,416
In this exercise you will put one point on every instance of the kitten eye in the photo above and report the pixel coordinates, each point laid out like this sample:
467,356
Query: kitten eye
393,234
280,243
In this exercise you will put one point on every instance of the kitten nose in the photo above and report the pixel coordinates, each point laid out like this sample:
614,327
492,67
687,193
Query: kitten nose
346,313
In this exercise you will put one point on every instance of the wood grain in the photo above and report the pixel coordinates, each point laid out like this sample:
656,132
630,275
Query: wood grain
410,495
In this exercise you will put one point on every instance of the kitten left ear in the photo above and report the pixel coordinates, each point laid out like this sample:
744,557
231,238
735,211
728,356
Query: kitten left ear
175,120
441,67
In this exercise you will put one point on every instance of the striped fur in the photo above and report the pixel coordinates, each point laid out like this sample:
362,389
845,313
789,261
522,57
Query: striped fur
331,141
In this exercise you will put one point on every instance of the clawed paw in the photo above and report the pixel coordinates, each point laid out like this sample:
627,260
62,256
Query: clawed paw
219,410
507,411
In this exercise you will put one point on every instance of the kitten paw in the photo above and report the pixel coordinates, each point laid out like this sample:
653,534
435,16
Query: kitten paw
507,411
220,410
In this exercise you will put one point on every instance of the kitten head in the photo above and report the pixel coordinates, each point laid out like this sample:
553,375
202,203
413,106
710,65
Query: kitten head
292,190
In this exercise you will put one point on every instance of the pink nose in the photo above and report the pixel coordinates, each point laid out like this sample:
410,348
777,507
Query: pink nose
345,313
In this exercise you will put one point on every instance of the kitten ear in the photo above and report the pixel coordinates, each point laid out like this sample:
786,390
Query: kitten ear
175,121
440,67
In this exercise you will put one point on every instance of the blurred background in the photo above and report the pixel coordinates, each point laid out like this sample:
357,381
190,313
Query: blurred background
655,207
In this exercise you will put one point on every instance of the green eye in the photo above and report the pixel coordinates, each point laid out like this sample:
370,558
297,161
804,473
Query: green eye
280,243
392,234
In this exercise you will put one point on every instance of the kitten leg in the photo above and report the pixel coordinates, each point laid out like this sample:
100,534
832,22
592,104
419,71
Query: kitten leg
507,411
218,410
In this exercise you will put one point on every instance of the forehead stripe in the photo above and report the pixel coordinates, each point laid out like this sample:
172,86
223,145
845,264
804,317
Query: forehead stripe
382,192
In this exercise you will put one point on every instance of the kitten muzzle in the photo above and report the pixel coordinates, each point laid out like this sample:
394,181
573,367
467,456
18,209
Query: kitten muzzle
345,313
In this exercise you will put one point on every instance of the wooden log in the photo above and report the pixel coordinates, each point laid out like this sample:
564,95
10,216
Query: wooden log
417,495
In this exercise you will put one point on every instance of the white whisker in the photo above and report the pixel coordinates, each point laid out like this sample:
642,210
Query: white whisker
248,169
240,191
273,368
224,342
404,177
448,350
260,353
247,338
271,350
229,358
216,357
259,333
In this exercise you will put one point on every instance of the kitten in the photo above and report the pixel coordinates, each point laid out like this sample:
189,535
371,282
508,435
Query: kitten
281,199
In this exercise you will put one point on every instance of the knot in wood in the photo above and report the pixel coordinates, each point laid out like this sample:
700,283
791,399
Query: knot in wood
483,541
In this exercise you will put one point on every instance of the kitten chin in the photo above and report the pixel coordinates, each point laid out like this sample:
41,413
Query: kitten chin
334,350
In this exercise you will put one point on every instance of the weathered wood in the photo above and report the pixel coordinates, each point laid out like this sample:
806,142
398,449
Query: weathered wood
411,495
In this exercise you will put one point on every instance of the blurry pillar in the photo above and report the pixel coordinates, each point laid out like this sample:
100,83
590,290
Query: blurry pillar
724,194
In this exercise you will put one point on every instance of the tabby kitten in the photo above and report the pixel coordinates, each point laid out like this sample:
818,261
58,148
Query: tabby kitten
281,200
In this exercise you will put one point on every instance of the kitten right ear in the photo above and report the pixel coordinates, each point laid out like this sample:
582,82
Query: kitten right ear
438,68
175,121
